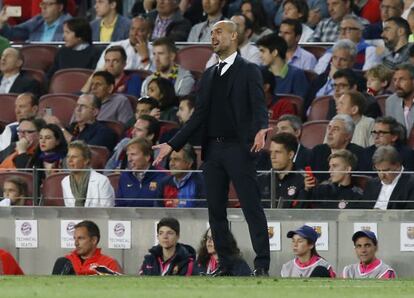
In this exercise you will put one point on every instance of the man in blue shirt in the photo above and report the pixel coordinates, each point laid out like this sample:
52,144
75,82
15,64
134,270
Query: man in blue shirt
139,187
289,79
46,27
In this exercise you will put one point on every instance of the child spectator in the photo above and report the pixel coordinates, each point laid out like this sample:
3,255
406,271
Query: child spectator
378,79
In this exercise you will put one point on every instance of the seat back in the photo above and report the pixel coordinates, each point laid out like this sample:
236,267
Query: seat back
52,190
294,99
70,80
100,156
319,108
7,103
360,180
62,105
117,127
166,126
195,57
38,75
114,179
39,56
313,133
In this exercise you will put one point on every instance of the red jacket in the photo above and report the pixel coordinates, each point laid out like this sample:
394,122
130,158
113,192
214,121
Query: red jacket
87,267
8,264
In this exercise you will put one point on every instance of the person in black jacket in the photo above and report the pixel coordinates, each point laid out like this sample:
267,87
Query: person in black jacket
168,257
393,189
339,192
207,260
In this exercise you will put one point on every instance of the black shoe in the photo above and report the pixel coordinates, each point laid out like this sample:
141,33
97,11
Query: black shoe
260,272
221,272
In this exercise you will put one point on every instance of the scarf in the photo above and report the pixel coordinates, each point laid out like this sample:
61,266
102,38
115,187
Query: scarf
51,157
80,189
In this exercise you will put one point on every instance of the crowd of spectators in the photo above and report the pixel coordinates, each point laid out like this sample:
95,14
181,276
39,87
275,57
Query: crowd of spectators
139,95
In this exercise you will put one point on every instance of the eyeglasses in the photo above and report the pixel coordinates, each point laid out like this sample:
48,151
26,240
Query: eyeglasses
348,29
25,131
379,132
46,4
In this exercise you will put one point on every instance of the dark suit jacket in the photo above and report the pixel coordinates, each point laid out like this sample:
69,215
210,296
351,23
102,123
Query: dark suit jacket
177,30
245,90
403,191
303,157
373,31
24,83
406,155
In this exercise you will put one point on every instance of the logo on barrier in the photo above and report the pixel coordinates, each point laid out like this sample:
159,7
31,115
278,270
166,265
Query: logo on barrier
26,228
70,228
119,229
270,232
410,233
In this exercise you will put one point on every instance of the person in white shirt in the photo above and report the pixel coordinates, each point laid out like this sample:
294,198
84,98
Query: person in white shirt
15,192
393,189
247,50
137,48
84,186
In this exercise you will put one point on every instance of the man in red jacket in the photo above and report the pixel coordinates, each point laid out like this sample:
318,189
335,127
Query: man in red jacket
8,265
86,259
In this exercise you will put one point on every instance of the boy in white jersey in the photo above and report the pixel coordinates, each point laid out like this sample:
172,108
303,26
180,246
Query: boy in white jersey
366,246
307,262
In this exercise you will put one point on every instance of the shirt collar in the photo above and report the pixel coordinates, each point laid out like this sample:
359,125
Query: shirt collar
181,182
368,268
111,25
395,181
53,25
284,71
230,59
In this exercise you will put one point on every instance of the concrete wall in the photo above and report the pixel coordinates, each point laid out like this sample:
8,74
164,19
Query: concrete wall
193,224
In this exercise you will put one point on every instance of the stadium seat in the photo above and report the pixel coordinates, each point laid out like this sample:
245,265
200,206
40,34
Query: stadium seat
313,133
39,56
142,73
195,57
360,180
52,194
411,139
38,75
166,126
117,127
381,101
319,108
133,100
295,99
27,177
114,179
100,156
317,51
310,75
62,104
70,80
233,197
197,150
7,114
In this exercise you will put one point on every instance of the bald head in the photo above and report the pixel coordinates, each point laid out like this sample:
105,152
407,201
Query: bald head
224,38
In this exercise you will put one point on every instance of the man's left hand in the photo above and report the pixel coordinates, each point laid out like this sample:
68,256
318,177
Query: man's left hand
260,139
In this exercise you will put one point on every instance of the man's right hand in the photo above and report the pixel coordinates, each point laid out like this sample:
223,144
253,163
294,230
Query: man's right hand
310,182
164,151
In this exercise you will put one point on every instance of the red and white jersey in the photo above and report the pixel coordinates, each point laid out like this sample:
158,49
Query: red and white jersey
294,268
377,269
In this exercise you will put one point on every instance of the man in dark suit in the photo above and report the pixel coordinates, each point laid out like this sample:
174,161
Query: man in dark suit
231,113
12,79
393,189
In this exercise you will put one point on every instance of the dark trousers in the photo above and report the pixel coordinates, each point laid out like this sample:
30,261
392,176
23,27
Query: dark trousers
225,161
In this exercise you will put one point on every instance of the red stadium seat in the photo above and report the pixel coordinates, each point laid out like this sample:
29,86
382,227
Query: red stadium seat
100,156
38,75
62,105
133,100
411,139
313,133
319,108
295,99
52,190
39,56
142,73
197,150
27,177
114,179
7,102
70,80
166,126
360,180
117,127
194,57
381,101
233,197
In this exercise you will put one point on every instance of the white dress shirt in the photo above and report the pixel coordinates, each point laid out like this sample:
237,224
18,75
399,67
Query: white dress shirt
6,83
385,193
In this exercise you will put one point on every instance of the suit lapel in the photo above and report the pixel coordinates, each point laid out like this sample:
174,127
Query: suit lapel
235,68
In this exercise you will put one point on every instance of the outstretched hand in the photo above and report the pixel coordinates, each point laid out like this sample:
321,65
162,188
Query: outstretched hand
260,139
165,150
